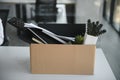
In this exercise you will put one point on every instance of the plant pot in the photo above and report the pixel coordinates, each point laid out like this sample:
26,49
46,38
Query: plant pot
89,39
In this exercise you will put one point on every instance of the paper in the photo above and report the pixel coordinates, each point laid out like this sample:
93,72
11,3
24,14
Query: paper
1,33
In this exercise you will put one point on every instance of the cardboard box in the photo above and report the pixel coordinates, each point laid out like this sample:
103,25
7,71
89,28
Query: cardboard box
62,59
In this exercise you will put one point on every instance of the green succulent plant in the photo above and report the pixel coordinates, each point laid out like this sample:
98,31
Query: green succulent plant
79,39
95,28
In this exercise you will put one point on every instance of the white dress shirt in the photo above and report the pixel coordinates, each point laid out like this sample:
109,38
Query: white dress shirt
1,32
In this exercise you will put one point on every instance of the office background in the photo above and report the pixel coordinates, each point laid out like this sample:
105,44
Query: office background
78,11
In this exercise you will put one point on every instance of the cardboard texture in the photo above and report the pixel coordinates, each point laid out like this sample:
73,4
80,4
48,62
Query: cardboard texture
62,59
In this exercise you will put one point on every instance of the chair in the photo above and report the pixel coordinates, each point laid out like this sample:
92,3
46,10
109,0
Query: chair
4,16
45,11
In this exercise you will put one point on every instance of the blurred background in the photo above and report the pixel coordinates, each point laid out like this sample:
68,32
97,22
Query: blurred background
68,12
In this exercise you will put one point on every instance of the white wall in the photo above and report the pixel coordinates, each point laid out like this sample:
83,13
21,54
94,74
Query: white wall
87,9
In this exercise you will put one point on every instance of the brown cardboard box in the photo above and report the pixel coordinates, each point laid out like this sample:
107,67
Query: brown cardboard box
62,59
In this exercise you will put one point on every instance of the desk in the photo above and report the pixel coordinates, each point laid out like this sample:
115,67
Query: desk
15,64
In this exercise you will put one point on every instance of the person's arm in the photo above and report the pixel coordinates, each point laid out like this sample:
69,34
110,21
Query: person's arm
1,33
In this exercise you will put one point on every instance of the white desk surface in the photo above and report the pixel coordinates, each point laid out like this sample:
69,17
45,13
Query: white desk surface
33,1
15,65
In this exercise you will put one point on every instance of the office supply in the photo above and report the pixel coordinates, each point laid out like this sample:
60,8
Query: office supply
47,32
52,36
16,61
37,41
64,31
69,30
18,23
37,36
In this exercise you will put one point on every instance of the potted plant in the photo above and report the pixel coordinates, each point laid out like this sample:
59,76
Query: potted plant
94,29
79,39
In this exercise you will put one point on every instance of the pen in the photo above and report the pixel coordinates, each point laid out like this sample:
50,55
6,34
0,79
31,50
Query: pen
37,35
37,41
